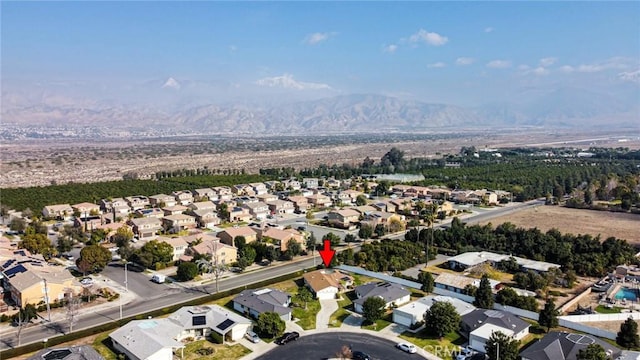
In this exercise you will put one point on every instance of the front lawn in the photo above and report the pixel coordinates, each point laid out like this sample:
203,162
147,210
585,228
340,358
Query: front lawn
204,349
450,342
338,316
379,324
307,318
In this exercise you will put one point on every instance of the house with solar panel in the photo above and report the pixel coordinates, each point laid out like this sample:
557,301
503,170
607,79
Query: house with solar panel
29,279
161,339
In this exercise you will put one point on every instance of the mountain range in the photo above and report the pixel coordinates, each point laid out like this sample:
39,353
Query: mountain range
565,107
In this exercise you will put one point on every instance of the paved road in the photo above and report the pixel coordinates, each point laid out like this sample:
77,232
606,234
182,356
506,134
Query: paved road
326,345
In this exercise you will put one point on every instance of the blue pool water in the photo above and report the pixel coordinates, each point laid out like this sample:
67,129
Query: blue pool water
628,294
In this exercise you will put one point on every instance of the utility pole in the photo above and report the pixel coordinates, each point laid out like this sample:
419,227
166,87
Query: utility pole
46,299
126,282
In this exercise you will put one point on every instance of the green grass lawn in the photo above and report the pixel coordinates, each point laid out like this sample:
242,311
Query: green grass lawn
220,352
102,344
430,343
605,310
379,324
338,316
307,318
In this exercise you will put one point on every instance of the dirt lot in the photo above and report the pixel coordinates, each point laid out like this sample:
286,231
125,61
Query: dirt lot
576,221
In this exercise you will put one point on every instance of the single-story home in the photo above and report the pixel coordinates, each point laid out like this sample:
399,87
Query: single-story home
327,283
458,283
255,302
473,258
479,324
413,312
558,345
81,352
392,294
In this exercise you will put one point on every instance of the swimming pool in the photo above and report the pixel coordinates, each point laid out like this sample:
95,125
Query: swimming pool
627,294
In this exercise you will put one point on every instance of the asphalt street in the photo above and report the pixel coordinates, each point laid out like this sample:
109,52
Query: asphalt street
326,345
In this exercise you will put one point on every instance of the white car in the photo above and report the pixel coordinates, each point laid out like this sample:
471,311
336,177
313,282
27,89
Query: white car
86,281
253,337
465,353
410,348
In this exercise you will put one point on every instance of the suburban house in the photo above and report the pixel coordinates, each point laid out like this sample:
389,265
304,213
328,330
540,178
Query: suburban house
224,192
558,345
458,283
60,212
353,194
203,193
319,201
310,183
327,283
440,193
178,244
243,189
300,203
178,222
137,202
252,303
202,205
205,218
162,200
226,254
29,279
332,183
280,207
86,208
183,197
391,293
229,234
146,228
174,210
340,198
376,218
413,312
398,205
259,188
159,339
345,218
479,324
292,184
473,258
265,198
364,209
81,352
239,214
88,222
272,184
153,212
115,206
258,210
281,238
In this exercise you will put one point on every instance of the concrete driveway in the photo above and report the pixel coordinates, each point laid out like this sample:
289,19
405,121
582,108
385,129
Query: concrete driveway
327,307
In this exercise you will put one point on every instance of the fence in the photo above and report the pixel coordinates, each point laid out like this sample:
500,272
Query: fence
586,328
377,275
574,301
601,317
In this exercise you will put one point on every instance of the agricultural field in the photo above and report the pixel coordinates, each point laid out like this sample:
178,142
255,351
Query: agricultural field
577,221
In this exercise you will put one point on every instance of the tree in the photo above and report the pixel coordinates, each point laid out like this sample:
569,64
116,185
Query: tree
484,295
240,242
17,224
441,318
426,279
64,244
123,236
270,324
349,238
304,296
395,225
502,347
592,352
96,256
335,239
38,244
160,251
373,308
628,334
246,256
72,307
549,315
311,242
365,232
361,200
293,248
212,265
187,271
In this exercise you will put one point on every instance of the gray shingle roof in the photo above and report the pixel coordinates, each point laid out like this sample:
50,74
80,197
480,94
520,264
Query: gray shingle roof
387,291
479,317
264,300
143,338
564,346
84,352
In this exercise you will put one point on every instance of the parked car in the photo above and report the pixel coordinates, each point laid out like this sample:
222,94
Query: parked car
286,337
359,355
86,281
465,354
158,278
253,337
410,348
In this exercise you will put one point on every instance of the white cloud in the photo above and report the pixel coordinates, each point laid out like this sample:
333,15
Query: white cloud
488,29
614,63
464,61
567,68
430,38
523,67
632,76
439,64
287,81
499,64
548,61
316,38
390,48
540,71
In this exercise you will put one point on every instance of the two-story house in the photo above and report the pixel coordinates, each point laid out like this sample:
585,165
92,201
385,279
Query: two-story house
86,208
60,212
146,228
203,205
280,207
345,218
292,184
258,210
223,192
310,183
162,200
223,253
300,203
259,188
183,197
178,244
239,214
178,222
228,235
137,202
205,194
205,218
117,206
174,210
319,201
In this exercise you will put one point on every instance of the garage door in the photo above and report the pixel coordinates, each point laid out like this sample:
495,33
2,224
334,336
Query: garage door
402,319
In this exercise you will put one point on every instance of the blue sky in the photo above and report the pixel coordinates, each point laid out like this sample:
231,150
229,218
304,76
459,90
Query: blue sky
454,52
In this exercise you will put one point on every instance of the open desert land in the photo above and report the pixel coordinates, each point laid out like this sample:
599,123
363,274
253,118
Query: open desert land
576,221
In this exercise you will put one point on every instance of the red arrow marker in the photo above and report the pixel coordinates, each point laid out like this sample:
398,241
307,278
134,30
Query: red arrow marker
327,253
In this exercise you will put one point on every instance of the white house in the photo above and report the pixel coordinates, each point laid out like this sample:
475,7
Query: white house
479,324
392,294
327,283
413,312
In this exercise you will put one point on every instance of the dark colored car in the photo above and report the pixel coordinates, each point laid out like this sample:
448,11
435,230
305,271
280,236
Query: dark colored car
286,337
359,355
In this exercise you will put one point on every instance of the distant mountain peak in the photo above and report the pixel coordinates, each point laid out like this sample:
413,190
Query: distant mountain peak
171,83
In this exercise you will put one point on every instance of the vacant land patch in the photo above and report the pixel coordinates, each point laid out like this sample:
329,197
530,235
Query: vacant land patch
576,221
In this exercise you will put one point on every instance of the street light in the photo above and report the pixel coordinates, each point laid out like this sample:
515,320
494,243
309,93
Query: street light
44,343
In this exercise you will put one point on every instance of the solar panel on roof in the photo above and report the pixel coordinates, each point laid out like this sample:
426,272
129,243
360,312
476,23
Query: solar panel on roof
57,354
225,324
15,270
199,320
8,263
